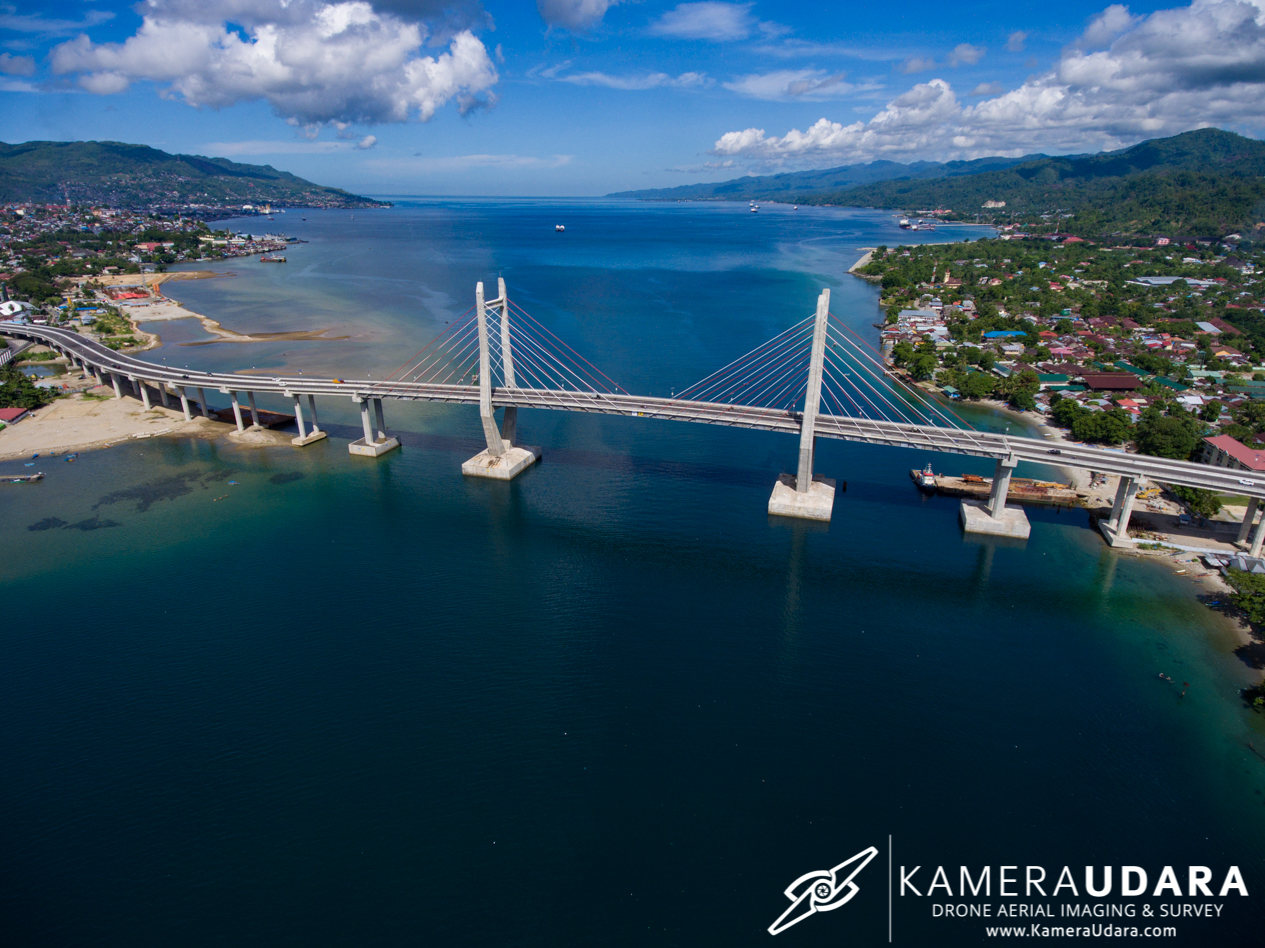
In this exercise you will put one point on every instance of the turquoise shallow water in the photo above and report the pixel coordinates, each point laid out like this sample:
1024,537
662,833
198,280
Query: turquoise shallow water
351,702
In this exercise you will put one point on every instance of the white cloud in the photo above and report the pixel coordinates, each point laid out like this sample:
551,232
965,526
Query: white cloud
575,15
17,65
713,21
458,163
654,80
1015,42
1105,27
988,88
313,62
33,23
804,85
258,147
917,64
792,48
707,167
1170,71
367,142
965,54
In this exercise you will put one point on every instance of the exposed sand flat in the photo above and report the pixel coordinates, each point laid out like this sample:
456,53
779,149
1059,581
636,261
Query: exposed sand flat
78,424
150,279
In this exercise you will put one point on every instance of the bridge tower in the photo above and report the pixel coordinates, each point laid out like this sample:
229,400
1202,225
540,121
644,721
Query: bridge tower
503,460
803,495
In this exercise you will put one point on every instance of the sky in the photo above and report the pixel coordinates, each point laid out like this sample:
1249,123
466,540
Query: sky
586,97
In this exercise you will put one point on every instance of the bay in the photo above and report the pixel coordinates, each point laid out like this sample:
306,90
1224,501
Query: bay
344,701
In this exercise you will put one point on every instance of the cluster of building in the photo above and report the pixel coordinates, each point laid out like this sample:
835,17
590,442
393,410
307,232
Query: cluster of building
43,246
1109,327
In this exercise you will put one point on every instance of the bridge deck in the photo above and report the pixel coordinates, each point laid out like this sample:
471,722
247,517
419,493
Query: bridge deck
918,437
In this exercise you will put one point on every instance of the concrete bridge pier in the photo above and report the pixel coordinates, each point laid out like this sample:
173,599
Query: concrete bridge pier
206,406
254,412
806,496
144,393
311,403
1116,528
503,460
369,446
1246,526
184,404
162,394
1258,538
995,518
304,438
118,389
237,411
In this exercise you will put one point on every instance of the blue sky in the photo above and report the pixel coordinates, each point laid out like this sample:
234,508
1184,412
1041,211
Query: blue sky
584,97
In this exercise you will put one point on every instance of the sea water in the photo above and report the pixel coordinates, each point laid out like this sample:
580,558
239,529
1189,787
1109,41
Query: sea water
291,697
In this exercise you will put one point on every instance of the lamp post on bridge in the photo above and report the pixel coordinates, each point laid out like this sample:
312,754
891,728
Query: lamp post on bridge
805,496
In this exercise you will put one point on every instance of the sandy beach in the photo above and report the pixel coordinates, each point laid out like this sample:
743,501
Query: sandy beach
76,423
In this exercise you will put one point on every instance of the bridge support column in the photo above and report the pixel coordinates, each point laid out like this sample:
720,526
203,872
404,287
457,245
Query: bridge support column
1246,526
995,518
254,412
1258,538
311,403
184,403
377,414
237,411
118,389
304,438
1116,528
503,460
140,384
206,408
805,496
368,446
162,394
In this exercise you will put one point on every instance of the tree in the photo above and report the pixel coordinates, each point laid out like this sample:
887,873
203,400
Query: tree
978,385
1203,503
18,391
923,366
1023,401
1249,594
1165,437
902,353
1210,412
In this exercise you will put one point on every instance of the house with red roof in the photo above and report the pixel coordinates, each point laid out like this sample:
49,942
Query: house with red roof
1224,451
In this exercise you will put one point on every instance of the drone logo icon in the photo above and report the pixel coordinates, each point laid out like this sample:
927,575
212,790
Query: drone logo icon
822,890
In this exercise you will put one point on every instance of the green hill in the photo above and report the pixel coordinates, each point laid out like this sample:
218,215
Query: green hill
122,175
1202,182
788,184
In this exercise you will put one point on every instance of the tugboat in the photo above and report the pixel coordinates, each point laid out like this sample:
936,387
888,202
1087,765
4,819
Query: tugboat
925,479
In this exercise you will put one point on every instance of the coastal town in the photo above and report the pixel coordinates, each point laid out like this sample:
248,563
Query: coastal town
1156,347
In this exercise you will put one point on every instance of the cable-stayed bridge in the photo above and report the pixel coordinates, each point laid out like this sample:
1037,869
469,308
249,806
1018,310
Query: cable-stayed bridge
815,379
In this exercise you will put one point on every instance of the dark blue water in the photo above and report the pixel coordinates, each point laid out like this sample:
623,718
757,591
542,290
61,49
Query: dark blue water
344,701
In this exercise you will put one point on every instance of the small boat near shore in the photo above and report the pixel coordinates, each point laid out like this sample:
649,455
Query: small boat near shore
271,259
925,479
23,478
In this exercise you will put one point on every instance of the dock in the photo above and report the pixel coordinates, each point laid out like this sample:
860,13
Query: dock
1023,490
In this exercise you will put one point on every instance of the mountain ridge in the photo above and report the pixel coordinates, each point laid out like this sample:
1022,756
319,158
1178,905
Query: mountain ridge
119,174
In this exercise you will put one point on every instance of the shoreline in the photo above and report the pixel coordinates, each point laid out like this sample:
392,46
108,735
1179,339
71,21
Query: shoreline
865,258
